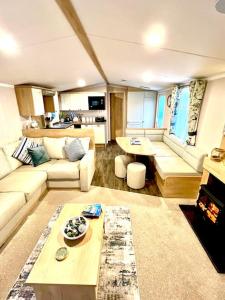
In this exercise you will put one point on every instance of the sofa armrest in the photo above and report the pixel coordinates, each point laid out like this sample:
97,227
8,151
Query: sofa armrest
87,170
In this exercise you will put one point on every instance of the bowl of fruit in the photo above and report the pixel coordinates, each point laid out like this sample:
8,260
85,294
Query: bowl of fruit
75,228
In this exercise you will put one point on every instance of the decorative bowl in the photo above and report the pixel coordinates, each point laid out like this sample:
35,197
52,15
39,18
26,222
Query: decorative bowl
75,227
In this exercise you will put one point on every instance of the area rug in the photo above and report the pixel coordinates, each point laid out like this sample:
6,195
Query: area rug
118,274
211,239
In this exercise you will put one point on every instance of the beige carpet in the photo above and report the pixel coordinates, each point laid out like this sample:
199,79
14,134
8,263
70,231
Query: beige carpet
171,263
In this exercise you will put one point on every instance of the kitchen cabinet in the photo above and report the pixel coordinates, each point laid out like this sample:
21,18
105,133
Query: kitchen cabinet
30,101
141,109
72,101
99,133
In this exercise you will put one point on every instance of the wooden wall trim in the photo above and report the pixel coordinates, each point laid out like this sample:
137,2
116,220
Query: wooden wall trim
72,17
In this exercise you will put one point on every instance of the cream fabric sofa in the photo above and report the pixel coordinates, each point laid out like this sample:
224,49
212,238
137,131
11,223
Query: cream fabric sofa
178,167
21,186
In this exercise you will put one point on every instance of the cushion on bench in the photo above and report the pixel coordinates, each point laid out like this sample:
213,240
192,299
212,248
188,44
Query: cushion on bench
173,166
174,144
27,182
161,149
10,204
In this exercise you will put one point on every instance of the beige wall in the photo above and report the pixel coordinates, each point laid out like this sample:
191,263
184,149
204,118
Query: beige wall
10,125
212,118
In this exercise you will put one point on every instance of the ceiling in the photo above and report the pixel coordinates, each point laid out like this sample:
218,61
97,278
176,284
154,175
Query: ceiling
50,53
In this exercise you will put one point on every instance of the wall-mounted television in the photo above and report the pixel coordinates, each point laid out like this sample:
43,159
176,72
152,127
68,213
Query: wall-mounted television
96,102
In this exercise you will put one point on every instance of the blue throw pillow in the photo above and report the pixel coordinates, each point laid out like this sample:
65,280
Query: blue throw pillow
74,150
38,155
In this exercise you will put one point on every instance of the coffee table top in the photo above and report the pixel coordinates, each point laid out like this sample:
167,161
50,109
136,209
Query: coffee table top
81,267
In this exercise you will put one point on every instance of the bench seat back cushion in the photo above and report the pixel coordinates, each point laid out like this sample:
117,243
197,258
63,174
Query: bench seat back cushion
194,157
172,142
173,166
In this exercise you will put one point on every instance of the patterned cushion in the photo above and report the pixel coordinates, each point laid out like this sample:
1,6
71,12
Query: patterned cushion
38,155
21,152
74,150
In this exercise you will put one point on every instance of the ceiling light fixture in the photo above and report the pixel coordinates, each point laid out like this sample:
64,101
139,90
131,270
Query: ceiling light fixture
155,36
147,77
8,44
81,82
220,6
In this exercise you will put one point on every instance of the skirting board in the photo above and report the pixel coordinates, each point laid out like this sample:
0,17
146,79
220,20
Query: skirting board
178,187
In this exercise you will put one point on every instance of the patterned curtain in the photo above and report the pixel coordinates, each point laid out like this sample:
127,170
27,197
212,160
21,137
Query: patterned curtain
173,107
197,91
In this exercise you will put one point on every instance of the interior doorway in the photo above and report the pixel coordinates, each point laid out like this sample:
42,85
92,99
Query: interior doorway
116,114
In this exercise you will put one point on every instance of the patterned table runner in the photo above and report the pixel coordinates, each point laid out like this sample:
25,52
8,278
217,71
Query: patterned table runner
118,275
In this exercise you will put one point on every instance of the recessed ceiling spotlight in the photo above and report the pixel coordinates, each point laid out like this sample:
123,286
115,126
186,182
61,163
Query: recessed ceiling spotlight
220,6
81,82
147,77
123,80
7,44
155,36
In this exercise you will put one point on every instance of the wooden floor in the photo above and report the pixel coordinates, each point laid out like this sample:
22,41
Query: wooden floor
105,176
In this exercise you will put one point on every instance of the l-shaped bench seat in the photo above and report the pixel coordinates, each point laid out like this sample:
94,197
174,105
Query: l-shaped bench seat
21,186
178,167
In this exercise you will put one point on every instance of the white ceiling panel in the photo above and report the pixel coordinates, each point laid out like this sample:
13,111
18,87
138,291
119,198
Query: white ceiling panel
129,62
194,37
48,51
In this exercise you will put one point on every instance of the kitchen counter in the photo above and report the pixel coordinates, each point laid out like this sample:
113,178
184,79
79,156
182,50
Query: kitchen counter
67,125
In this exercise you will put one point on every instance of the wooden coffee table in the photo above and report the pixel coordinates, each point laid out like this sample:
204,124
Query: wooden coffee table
76,277
145,148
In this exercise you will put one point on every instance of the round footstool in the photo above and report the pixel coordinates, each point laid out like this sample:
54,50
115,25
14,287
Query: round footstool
121,162
136,175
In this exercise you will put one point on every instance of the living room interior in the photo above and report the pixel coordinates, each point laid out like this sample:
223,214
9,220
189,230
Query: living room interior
112,150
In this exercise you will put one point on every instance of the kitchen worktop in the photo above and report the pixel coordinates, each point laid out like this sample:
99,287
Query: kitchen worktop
69,124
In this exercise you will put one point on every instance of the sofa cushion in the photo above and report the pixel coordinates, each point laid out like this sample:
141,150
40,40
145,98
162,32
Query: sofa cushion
4,165
74,150
174,144
64,169
43,167
27,182
9,150
173,166
161,149
38,155
55,147
21,152
10,204
194,157
85,141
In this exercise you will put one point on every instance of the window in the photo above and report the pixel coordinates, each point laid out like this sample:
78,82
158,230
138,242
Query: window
160,111
181,124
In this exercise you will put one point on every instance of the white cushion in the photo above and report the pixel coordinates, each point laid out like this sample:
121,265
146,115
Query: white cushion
173,166
27,182
10,204
135,132
64,169
85,141
161,149
55,147
9,150
42,167
174,144
194,157
4,165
